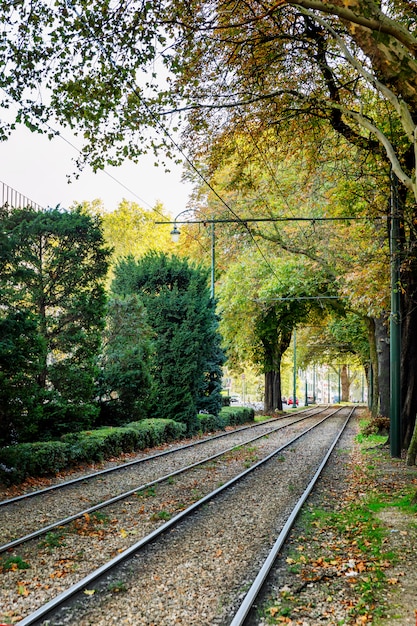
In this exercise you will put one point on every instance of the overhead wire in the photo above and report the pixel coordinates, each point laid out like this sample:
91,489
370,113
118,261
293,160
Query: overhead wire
172,140
58,134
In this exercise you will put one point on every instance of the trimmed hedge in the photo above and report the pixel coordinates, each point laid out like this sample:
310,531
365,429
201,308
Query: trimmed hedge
50,457
228,416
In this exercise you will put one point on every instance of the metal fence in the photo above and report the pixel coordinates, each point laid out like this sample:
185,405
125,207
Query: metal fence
16,200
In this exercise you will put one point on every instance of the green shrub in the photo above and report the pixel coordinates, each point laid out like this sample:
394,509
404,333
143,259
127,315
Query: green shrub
157,431
44,458
32,459
238,415
208,422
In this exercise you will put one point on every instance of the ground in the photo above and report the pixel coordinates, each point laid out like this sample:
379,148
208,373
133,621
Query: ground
352,555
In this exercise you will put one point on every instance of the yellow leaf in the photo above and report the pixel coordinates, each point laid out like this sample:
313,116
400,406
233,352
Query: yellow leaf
123,533
89,592
21,590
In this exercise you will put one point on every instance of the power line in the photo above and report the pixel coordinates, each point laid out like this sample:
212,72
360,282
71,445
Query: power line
67,141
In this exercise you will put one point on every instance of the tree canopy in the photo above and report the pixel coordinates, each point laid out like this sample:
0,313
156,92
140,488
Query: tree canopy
229,69
53,267
186,357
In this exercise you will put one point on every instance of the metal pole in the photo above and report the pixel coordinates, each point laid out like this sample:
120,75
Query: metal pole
213,259
338,389
294,379
395,327
314,384
328,385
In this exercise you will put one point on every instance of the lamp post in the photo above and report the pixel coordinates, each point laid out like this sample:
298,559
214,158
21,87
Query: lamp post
294,379
175,236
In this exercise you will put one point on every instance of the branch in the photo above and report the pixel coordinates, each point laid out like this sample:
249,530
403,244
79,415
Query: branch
382,25
399,105
365,123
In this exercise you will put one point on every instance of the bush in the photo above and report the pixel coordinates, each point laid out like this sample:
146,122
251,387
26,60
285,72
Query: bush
238,415
32,459
378,425
49,457
208,422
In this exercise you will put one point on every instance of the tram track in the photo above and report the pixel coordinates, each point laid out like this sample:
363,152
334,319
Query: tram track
159,467
123,467
164,527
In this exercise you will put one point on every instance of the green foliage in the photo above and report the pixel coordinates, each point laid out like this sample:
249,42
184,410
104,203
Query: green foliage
186,355
53,266
14,562
19,461
21,349
228,416
125,380
238,415
209,423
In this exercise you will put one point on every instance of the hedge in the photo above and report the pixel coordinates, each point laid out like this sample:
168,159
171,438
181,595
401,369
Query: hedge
50,457
228,416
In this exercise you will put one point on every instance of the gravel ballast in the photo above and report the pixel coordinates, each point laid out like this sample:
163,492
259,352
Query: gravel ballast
197,573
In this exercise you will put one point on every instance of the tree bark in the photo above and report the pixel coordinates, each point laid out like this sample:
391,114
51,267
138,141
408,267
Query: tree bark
345,383
412,448
273,399
374,391
408,367
383,355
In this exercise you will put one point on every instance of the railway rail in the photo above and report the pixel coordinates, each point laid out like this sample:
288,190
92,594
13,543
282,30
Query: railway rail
145,458
16,519
264,470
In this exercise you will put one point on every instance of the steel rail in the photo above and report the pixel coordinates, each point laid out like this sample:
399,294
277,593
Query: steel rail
67,520
247,604
57,602
122,466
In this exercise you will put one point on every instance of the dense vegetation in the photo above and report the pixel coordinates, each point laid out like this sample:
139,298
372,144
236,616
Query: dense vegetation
298,112
71,362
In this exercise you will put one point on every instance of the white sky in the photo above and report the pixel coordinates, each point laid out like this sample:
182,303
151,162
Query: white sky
38,167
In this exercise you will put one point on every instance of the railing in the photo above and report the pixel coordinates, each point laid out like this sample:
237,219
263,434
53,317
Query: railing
16,200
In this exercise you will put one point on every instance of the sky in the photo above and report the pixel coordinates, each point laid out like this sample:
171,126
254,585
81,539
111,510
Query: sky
38,167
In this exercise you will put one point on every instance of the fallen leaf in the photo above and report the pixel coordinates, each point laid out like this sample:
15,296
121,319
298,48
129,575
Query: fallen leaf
89,592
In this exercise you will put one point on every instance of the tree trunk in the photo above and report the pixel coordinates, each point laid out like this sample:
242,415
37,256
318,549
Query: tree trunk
345,383
383,354
408,368
273,400
412,448
374,390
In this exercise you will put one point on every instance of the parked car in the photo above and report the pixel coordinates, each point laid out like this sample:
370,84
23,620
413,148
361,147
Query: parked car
290,401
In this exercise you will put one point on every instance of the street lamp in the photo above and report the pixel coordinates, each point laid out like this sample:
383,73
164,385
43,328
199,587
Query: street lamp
175,234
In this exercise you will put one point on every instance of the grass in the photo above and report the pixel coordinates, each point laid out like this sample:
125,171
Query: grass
332,542
53,540
149,492
13,563
161,515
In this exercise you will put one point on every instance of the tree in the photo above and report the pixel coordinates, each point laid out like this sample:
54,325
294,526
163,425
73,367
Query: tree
186,360
130,229
21,348
54,265
341,341
282,65
125,380
261,304
312,182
